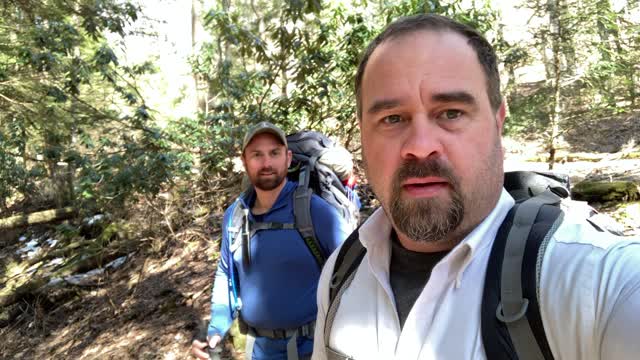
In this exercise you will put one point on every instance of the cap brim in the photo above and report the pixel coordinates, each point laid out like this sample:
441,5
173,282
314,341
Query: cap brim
265,130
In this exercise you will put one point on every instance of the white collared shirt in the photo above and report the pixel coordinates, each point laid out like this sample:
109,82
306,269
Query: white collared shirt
590,297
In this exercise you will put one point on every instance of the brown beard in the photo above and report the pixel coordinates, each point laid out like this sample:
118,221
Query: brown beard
268,184
431,219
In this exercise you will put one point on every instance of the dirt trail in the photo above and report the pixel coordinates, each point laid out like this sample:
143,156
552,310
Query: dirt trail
149,309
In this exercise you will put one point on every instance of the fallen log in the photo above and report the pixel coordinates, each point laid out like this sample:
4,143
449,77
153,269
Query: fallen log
9,296
14,290
39,217
605,191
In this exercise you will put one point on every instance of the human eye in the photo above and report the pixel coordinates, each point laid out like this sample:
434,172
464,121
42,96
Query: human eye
450,114
392,119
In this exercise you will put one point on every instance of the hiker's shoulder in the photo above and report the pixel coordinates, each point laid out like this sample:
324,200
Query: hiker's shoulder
321,208
580,252
580,232
585,275
228,211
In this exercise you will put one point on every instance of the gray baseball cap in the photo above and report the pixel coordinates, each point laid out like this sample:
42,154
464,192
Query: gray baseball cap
261,128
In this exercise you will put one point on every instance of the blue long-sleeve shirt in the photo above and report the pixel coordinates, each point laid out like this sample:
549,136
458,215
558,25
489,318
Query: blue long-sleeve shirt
278,289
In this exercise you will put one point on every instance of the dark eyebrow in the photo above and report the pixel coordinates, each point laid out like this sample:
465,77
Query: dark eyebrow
383,104
447,97
455,96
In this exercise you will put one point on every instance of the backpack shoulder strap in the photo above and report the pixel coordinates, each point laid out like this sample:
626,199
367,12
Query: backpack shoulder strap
235,224
302,215
511,323
348,259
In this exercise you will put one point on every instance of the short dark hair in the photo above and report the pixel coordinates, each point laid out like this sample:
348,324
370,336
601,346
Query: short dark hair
431,22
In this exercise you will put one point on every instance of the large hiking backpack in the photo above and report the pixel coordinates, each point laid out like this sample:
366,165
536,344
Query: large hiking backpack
510,315
323,168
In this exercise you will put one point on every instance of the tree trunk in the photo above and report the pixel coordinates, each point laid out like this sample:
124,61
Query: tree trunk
556,117
628,67
201,86
70,175
603,31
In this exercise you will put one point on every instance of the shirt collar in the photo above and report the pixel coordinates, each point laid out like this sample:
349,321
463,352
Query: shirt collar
481,237
248,198
375,237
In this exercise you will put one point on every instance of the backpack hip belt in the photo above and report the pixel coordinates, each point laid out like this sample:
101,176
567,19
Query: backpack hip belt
304,330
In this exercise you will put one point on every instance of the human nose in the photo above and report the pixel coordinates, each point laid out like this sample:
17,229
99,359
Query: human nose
268,161
423,139
265,162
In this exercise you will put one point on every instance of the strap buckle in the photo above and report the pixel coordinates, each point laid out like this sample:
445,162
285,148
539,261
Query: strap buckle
512,317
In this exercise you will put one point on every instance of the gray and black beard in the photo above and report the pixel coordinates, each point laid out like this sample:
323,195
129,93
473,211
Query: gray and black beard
430,219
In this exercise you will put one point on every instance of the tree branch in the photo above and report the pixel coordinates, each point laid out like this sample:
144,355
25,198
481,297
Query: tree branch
12,101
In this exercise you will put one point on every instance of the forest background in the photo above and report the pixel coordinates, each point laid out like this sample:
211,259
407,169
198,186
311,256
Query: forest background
121,122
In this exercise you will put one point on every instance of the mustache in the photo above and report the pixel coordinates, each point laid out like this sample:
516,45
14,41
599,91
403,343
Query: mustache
424,168
267,170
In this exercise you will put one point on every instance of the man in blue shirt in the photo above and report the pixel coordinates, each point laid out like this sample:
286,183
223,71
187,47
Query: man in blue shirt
275,275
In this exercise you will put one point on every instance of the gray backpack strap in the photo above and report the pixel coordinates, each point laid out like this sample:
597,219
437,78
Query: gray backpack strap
302,213
235,228
513,306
